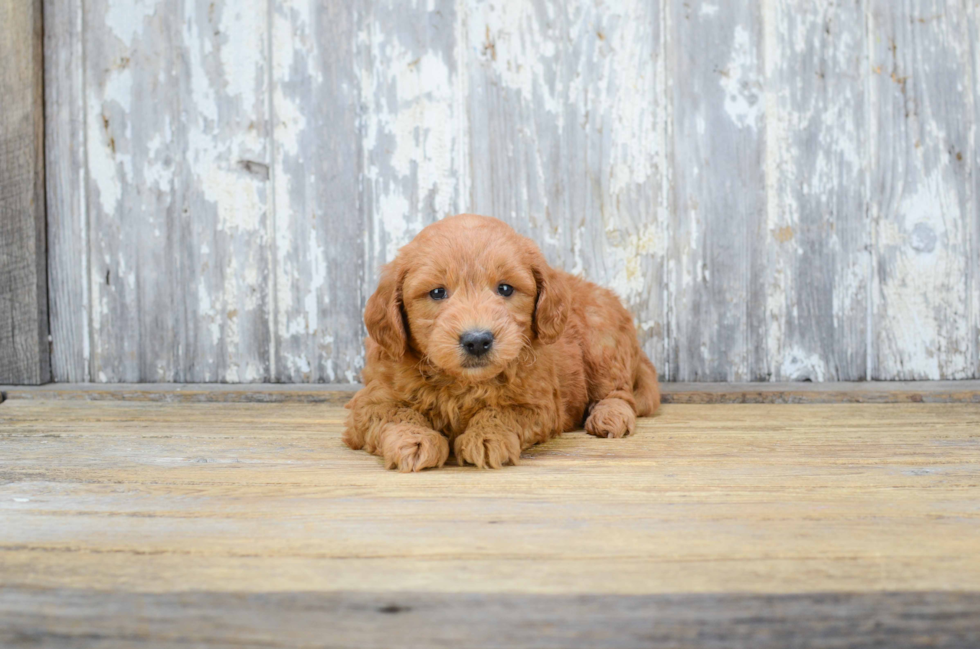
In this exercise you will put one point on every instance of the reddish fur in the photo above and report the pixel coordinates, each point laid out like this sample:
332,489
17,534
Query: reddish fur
564,348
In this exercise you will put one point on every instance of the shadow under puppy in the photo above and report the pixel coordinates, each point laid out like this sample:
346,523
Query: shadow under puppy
475,341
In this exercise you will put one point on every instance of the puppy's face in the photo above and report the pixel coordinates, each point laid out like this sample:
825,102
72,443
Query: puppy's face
474,295
470,306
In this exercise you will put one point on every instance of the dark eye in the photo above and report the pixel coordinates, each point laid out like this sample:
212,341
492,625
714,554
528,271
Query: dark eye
505,289
438,294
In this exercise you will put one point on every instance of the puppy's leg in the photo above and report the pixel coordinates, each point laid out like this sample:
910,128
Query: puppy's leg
409,447
496,436
622,381
613,411
611,417
402,436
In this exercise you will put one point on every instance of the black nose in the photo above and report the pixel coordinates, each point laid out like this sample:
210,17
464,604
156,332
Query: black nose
476,343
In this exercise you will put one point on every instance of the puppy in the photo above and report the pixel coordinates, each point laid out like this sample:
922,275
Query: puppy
476,343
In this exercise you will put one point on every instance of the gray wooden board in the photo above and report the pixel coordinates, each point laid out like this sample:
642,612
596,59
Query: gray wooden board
339,394
412,123
717,234
23,257
317,235
974,296
567,128
923,203
776,191
178,142
68,233
53,619
816,237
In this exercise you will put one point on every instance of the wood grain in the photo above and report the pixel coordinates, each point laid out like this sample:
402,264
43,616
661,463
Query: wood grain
96,619
319,231
779,190
718,231
178,153
65,172
413,131
567,124
816,239
24,354
974,296
676,393
154,497
924,208
244,524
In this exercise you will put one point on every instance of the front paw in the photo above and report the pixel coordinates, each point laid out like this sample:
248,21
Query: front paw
611,418
409,448
487,448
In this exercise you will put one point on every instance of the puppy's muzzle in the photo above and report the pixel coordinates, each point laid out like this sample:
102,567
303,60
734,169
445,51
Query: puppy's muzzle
476,343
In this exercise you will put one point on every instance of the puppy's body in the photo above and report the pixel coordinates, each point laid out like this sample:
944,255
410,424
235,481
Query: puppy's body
562,348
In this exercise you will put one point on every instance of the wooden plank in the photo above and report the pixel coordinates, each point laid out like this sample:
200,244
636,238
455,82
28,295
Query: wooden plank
96,619
974,296
567,118
24,354
924,207
254,498
718,227
163,525
178,159
678,393
414,169
816,299
67,220
319,237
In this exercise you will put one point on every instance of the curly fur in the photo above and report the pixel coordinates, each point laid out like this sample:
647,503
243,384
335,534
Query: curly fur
565,352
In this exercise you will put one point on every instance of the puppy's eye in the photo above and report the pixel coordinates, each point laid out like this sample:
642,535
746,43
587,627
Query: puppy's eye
505,289
438,294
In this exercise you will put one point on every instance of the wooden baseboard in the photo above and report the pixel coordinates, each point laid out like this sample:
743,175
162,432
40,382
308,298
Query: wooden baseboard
681,393
63,618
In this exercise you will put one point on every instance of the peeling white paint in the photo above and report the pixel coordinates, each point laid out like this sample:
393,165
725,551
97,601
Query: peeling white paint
799,365
410,135
741,81
924,323
582,108
509,37
125,18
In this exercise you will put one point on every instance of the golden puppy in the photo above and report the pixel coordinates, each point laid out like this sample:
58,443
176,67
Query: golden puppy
475,341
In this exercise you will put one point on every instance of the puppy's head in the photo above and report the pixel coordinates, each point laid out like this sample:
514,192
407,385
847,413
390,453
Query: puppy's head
469,295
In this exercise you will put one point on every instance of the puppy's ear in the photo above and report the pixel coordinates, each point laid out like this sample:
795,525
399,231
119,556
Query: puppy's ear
383,314
554,302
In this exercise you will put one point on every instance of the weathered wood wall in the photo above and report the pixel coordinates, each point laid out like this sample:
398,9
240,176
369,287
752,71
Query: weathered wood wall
24,357
779,189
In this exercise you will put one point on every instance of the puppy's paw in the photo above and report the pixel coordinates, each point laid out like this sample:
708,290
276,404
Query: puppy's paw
611,418
487,448
408,448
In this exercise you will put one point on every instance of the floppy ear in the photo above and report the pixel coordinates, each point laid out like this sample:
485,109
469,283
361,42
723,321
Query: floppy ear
554,302
383,314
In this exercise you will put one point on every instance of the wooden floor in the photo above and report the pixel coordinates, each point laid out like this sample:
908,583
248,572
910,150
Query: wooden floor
250,525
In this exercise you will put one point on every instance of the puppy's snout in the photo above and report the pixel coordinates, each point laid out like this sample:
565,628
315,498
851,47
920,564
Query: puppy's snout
476,342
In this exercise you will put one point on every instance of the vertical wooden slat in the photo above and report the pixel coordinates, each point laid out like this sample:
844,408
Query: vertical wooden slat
24,356
974,22
710,161
717,279
64,132
178,157
816,163
128,56
319,233
923,202
567,119
226,213
413,124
